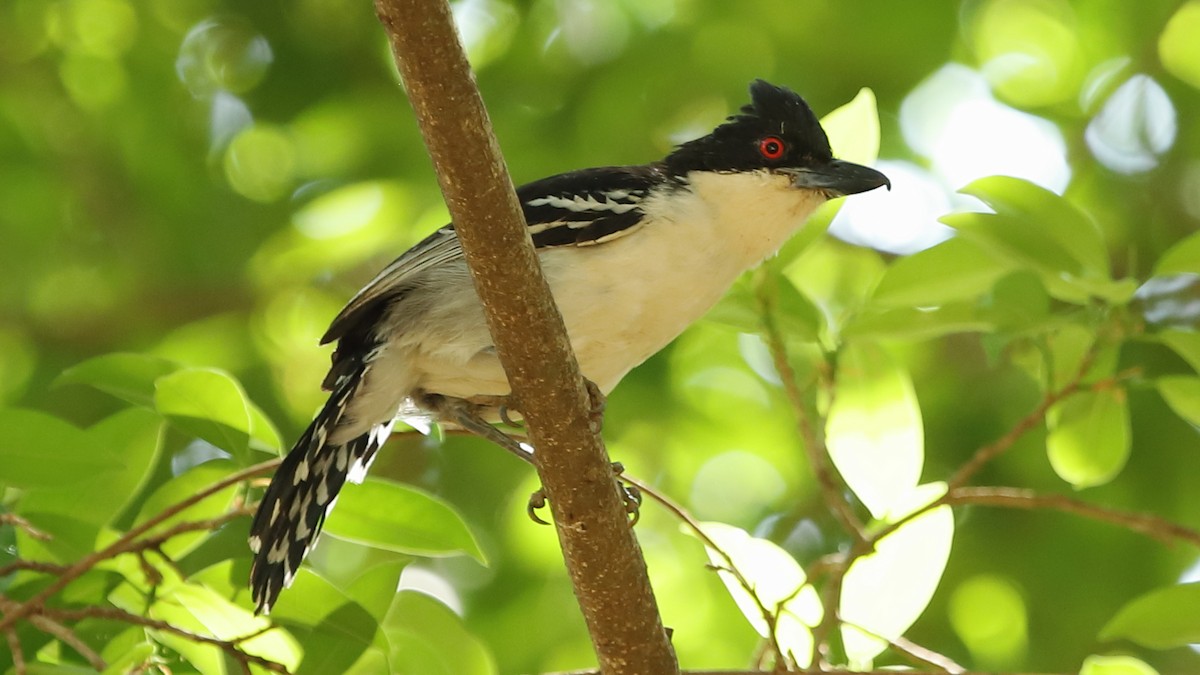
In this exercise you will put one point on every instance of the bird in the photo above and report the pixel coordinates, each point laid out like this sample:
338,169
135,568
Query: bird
633,255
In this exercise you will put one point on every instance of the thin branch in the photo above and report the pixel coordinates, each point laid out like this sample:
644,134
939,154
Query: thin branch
828,480
606,567
230,647
126,543
20,523
688,519
994,449
32,566
925,656
1148,525
18,654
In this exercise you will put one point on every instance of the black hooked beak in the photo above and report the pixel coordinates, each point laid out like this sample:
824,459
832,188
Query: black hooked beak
839,178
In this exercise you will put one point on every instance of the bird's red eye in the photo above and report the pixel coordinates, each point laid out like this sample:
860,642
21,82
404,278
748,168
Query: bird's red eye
771,147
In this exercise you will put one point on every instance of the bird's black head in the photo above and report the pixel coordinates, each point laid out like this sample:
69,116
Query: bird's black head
777,133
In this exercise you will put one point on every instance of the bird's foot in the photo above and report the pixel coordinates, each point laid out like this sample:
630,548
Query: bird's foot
630,495
596,405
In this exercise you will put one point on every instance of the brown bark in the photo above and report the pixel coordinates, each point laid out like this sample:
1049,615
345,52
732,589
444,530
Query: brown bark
602,556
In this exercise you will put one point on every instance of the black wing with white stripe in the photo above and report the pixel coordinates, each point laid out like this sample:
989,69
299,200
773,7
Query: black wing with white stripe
580,208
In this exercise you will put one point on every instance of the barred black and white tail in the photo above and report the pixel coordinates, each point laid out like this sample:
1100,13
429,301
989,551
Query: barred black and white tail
306,487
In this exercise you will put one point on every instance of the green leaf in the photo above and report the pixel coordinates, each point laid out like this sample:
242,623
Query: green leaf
1182,258
874,431
1184,343
129,377
199,609
1161,619
910,323
1037,207
1182,394
335,644
426,638
1088,442
40,450
1115,665
953,271
208,404
1017,240
885,592
396,517
177,489
778,584
853,129
128,443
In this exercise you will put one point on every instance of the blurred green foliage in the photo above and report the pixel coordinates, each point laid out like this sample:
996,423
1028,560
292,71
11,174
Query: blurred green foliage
193,187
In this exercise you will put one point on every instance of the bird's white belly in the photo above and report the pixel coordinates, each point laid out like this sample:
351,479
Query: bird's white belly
625,299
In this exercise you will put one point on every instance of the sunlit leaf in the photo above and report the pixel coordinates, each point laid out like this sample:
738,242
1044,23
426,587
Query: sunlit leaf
909,323
1161,619
1115,665
778,584
1035,206
1017,240
874,431
885,592
1186,344
1182,258
181,487
129,377
1182,394
396,517
207,403
1089,439
853,129
194,607
953,271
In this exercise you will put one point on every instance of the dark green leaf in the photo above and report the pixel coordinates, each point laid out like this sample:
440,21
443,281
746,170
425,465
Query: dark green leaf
129,443
426,638
337,642
396,517
40,450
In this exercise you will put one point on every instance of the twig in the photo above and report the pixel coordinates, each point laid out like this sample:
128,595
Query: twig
228,646
814,445
994,449
126,543
925,656
602,557
47,624
32,566
1148,525
690,521
19,522
18,654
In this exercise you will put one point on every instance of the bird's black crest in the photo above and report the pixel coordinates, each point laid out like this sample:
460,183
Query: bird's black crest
733,146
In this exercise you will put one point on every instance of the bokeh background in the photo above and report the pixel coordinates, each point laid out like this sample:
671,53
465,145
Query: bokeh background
209,180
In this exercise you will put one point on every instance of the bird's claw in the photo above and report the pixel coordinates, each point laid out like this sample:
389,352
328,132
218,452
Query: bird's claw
596,404
508,420
537,500
630,494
